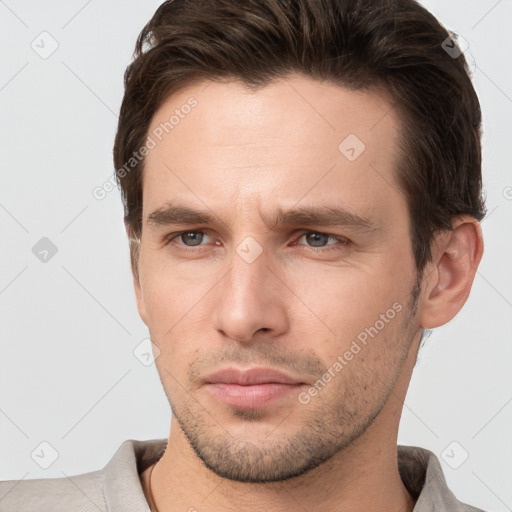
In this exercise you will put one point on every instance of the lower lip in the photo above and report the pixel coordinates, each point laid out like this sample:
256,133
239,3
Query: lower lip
251,396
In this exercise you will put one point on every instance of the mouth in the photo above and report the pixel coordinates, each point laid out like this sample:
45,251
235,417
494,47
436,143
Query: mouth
252,388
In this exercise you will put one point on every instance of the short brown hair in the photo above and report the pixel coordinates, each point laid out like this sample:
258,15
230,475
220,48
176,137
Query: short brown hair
393,45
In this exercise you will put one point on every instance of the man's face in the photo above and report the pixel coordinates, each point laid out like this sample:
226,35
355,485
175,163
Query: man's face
327,303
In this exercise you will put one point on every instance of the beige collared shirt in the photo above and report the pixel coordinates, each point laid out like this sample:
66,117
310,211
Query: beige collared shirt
117,487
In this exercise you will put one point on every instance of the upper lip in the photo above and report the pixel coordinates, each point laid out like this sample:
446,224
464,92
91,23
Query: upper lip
250,376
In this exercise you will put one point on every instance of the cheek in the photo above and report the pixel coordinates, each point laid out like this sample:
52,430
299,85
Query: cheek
172,291
348,300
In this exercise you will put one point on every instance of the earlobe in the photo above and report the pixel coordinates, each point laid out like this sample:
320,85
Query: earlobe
456,256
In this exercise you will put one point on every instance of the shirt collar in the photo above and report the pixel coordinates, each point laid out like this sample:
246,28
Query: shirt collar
419,469
423,477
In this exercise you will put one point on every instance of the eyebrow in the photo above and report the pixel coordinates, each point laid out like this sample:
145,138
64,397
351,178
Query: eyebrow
306,216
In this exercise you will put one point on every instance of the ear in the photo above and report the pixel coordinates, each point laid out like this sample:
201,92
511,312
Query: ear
134,263
448,278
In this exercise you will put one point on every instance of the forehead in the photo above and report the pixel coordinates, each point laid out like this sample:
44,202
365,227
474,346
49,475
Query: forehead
295,139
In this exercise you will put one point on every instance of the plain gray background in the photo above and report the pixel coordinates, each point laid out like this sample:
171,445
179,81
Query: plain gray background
69,325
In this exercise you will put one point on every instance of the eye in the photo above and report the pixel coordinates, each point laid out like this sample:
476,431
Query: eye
194,237
319,240
314,240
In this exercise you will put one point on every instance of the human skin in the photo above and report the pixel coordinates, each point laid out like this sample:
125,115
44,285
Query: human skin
239,156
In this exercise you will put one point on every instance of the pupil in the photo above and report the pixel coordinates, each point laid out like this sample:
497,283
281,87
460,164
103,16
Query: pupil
318,237
194,236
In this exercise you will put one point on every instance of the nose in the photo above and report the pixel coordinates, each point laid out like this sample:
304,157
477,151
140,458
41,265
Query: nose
251,299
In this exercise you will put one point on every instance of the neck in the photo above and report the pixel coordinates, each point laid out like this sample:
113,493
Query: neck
355,480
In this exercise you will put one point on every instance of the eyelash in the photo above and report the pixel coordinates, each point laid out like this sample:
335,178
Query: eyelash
344,241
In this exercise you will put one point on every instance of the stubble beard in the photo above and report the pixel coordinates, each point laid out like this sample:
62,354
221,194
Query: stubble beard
325,431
